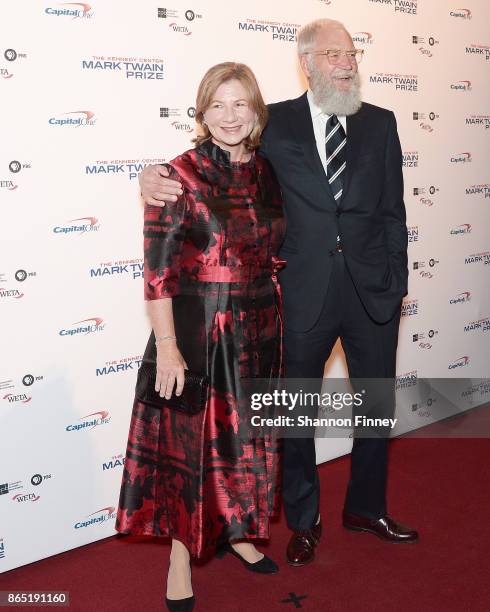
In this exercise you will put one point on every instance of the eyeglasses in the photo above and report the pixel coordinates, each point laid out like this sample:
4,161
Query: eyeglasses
334,56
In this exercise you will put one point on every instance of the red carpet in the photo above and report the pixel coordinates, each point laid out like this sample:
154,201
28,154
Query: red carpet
439,486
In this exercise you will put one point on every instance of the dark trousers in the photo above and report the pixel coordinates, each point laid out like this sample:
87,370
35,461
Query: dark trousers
370,350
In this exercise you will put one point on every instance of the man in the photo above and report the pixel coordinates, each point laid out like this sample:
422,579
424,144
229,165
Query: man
339,164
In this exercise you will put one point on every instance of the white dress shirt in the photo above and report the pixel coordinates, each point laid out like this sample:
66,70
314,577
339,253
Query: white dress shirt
319,119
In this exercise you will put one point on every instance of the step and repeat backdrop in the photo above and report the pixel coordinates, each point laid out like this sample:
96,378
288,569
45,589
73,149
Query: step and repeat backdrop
90,94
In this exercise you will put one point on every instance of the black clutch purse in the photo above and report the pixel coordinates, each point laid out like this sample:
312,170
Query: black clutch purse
192,399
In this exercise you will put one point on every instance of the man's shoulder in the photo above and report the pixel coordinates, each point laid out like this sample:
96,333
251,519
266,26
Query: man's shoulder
284,106
376,111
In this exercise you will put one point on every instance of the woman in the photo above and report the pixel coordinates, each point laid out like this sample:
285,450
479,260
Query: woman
208,481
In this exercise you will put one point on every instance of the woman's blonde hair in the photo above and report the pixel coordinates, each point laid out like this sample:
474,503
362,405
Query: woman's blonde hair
216,76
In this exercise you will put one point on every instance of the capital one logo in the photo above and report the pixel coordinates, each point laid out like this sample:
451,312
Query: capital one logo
461,298
365,38
75,10
464,228
461,158
84,327
461,362
104,514
80,118
462,13
461,85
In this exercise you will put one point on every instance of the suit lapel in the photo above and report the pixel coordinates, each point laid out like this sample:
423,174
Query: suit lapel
355,132
305,136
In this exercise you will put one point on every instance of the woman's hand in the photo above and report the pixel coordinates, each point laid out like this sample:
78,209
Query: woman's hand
170,369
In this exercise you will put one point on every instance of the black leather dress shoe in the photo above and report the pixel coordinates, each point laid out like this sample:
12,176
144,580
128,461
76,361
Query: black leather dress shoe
301,546
385,528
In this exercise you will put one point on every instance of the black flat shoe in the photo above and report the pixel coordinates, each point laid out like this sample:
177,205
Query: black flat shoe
264,566
180,605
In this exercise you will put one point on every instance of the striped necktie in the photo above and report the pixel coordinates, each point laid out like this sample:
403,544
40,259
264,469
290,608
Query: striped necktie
335,141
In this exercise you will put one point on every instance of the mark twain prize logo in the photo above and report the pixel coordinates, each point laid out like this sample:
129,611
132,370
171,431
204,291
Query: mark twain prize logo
406,380
461,298
84,327
179,21
482,121
82,225
114,462
80,118
425,44
130,168
413,233
132,268
120,365
90,421
461,362
461,13
180,119
405,7
480,190
461,86
396,82
363,38
101,516
75,10
10,56
410,159
461,158
478,258
146,69
481,390
425,195
479,50
461,230
410,308
276,30
482,325
425,120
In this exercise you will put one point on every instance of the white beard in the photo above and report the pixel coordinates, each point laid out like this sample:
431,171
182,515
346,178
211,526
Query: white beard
331,100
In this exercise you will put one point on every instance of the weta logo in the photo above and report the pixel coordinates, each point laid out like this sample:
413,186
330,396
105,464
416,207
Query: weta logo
23,398
182,127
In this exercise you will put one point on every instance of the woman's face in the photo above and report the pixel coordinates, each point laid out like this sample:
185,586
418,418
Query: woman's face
229,117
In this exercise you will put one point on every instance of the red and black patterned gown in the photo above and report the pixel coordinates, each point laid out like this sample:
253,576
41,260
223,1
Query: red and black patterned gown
207,478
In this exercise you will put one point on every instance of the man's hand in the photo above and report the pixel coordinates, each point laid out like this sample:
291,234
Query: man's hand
156,189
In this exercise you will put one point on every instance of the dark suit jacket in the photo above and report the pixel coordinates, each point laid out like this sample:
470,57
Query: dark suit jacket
370,218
